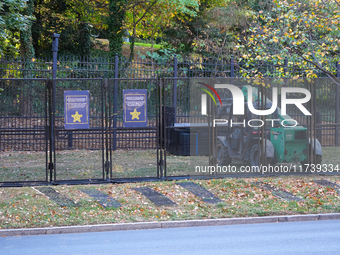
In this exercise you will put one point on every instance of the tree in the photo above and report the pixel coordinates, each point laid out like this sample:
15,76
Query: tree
138,11
12,21
213,31
115,25
305,32
184,29
51,18
26,40
73,20
146,18
224,22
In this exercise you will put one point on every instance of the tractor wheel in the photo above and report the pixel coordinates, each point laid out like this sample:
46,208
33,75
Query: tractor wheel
255,155
318,161
222,154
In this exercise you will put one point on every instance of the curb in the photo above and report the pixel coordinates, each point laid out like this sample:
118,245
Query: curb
167,224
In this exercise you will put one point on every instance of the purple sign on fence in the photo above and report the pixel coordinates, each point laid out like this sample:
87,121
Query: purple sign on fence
135,108
76,108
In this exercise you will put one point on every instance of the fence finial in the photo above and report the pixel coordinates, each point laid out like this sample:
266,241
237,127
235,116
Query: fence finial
55,42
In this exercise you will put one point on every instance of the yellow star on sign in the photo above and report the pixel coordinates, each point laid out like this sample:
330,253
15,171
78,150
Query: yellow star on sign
135,114
76,117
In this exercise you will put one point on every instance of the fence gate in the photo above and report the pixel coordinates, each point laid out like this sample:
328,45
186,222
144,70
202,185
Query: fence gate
78,140
134,149
78,129
23,130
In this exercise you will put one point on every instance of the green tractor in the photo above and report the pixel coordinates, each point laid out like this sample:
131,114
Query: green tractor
283,143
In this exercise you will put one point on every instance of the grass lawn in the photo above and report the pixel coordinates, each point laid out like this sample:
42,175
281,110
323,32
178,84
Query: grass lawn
149,45
87,164
25,207
105,42
141,48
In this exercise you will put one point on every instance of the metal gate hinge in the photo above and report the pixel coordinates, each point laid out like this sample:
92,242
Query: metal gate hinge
50,166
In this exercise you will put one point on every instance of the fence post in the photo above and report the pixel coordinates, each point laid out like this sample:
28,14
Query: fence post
114,145
52,113
55,52
285,66
174,98
337,105
319,128
232,66
70,138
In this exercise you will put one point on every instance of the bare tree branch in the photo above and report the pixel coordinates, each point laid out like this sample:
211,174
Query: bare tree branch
146,11
318,66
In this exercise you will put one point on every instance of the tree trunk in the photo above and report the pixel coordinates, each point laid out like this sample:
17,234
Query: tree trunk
115,26
26,41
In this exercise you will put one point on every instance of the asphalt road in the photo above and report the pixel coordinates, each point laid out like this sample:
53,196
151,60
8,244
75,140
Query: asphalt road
312,237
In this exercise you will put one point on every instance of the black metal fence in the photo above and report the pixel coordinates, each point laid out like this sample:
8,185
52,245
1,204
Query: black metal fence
23,109
32,115
148,68
23,114
32,120
99,67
